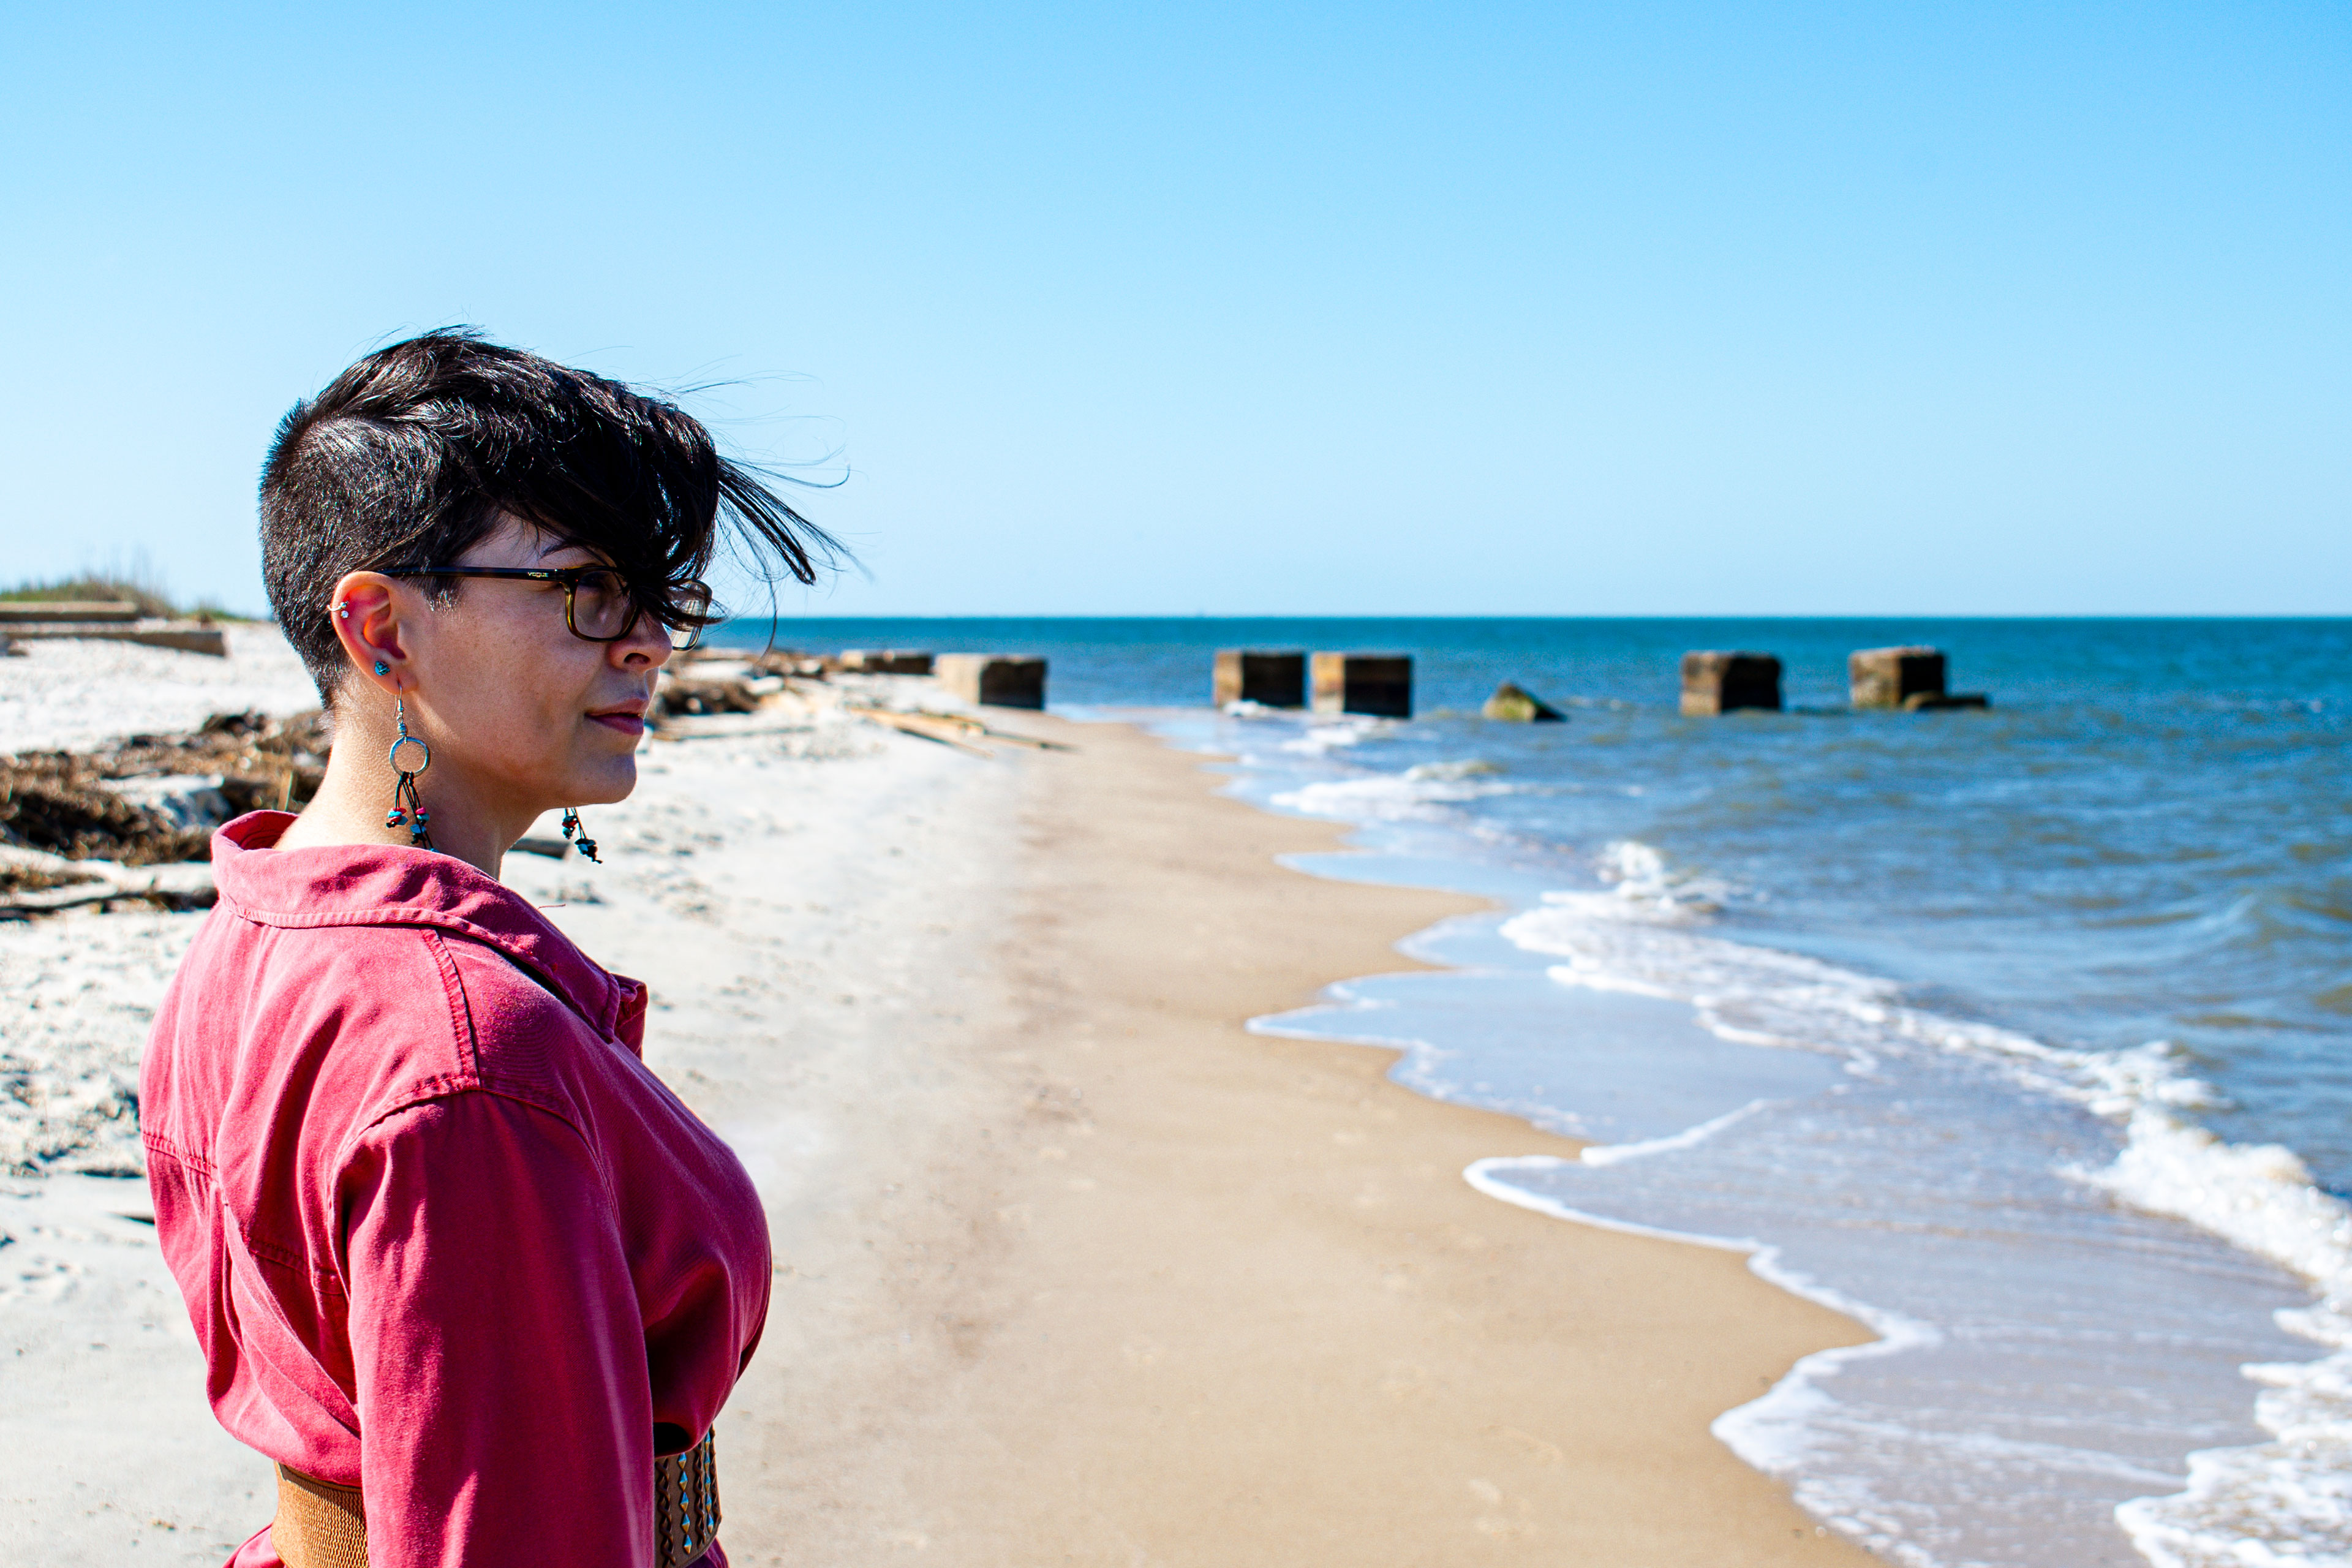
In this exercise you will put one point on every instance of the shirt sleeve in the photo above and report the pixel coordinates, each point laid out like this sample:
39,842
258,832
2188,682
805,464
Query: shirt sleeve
498,1354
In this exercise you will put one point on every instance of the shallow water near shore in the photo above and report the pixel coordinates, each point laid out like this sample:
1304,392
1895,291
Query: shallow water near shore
2021,1035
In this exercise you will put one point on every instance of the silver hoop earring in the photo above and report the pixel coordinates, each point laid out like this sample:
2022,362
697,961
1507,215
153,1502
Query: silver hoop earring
407,809
571,825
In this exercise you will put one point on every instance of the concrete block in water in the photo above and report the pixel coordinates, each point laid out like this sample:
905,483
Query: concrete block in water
993,679
1714,681
1911,678
886,661
1892,677
1515,704
1380,684
1272,680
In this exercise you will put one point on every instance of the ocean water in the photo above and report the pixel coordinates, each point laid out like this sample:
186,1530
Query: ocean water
2024,1036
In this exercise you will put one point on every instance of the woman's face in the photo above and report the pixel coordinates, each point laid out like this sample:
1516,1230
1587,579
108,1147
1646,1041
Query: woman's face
531,717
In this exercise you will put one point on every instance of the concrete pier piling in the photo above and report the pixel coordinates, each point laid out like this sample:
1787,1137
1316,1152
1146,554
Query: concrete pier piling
1271,678
886,661
1890,677
993,679
1716,682
1911,678
1377,684
1514,703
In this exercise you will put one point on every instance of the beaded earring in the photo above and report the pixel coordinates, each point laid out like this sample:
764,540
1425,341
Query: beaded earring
407,809
571,825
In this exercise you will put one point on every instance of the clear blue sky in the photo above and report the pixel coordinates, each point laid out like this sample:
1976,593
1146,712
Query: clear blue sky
1383,310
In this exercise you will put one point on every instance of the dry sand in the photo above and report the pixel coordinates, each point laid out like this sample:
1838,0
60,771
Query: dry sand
1071,1268
1168,1293
73,692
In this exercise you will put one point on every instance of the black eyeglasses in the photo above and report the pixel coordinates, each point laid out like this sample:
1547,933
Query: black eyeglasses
598,605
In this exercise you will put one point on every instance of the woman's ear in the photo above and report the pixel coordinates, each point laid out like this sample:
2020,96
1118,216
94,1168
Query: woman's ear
367,615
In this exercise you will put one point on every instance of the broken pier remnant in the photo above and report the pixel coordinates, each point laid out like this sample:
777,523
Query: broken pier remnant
32,620
1911,678
993,680
885,660
1269,679
1515,704
1377,684
1716,681
1890,677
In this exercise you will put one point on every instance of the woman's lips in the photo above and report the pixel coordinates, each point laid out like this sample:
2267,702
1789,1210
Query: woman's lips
627,724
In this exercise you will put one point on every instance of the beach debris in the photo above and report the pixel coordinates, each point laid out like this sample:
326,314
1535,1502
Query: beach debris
946,729
957,729
184,800
153,800
883,661
1269,678
38,871
553,848
1911,678
992,681
787,661
187,885
1515,704
1380,684
59,802
1716,682
679,694
114,620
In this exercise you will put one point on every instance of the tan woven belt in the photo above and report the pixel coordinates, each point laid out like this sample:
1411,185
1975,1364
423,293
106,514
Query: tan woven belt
323,1525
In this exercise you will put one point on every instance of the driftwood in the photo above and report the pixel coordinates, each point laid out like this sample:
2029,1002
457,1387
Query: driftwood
33,881
954,730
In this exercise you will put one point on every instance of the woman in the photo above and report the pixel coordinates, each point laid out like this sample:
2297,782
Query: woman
461,1265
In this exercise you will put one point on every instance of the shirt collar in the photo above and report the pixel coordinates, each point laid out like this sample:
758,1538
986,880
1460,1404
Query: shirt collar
384,884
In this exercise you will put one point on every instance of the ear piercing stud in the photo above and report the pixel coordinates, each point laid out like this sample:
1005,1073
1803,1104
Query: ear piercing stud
382,667
344,611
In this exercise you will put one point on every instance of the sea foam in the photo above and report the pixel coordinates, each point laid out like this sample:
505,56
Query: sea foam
2287,1501
1419,793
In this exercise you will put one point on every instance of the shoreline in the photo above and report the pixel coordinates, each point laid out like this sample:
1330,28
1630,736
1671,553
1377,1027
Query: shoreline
1070,1264
1184,1286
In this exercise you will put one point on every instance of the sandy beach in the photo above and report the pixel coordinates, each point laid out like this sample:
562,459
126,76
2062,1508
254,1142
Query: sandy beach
1071,1267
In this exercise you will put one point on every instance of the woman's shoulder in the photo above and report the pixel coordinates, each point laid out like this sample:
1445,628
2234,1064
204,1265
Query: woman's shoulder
356,1021
525,1023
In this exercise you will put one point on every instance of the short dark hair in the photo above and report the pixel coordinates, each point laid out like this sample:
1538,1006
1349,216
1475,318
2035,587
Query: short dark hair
408,457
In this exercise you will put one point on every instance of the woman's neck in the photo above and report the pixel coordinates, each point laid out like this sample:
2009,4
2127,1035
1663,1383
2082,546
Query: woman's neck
358,791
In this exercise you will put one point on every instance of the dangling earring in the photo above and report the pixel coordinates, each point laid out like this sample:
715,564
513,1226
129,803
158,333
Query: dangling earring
406,807
586,844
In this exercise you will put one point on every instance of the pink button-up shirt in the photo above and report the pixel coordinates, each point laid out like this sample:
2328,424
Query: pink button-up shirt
443,1235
